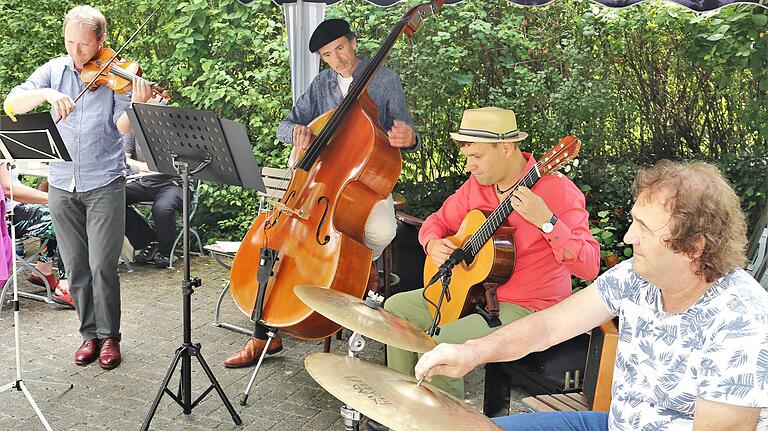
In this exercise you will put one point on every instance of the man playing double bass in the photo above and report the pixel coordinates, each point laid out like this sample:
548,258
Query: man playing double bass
552,239
336,44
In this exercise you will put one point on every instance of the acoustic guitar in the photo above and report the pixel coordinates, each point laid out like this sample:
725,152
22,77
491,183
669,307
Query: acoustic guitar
488,245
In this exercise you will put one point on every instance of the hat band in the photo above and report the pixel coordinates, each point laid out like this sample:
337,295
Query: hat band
489,134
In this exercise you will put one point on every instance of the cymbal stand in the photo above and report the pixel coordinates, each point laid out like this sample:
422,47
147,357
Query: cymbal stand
352,417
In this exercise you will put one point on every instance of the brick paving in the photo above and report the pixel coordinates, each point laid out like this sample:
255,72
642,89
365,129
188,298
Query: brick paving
284,397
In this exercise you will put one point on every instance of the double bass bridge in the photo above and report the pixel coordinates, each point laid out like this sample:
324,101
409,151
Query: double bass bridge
285,209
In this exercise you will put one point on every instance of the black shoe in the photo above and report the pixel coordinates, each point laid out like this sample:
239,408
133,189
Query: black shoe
375,426
146,254
162,262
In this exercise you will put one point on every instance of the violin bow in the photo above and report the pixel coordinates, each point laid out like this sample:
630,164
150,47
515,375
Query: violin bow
117,53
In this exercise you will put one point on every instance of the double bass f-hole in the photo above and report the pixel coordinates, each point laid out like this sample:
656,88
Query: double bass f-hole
327,238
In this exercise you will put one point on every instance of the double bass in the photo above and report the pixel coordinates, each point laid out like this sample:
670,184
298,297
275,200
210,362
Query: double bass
315,233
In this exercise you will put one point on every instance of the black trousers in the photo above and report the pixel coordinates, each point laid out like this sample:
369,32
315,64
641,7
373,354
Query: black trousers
166,203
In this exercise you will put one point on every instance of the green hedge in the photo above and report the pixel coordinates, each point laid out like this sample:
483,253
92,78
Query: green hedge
636,85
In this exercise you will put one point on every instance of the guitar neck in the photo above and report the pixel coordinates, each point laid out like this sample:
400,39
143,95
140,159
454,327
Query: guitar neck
497,217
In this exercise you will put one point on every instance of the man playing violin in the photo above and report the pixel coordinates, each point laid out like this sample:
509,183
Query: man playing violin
552,240
692,349
337,44
87,195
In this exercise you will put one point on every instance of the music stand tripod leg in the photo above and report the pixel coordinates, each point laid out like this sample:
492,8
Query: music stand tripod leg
214,384
270,336
19,383
184,353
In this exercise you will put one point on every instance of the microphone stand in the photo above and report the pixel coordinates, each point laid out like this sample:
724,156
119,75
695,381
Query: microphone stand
444,272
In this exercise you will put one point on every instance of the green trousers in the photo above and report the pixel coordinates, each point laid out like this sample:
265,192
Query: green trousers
412,307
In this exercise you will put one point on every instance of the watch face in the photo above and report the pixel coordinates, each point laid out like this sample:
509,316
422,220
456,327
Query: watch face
547,227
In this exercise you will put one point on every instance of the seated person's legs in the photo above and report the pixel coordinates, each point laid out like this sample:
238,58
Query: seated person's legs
555,421
167,203
137,230
412,307
34,221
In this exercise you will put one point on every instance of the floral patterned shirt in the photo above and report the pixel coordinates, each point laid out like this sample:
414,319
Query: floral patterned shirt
716,350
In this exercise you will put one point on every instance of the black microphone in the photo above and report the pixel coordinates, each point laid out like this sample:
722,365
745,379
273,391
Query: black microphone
453,260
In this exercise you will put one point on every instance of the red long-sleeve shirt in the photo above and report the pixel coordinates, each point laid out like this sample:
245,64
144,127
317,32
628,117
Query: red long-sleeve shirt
541,277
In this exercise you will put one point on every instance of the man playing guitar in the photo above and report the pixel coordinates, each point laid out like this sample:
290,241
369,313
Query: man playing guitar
552,235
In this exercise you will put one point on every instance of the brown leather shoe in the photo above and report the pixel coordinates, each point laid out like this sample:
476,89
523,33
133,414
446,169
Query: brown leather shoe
88,352
373,279
250,353
110,353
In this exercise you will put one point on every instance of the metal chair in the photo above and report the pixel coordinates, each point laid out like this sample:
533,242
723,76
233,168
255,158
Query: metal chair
276,182
193,204
29,265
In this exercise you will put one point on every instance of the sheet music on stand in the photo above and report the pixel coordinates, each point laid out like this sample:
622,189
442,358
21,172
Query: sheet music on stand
34,137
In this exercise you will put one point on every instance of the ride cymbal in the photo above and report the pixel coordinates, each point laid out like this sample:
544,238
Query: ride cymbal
392,398
352,313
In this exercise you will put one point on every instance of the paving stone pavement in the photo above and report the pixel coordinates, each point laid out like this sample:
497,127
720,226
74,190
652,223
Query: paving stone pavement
284,396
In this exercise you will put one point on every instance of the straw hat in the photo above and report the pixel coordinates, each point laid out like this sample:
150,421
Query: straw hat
488,125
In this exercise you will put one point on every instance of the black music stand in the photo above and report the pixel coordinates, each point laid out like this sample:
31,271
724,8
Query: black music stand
33,137
173,139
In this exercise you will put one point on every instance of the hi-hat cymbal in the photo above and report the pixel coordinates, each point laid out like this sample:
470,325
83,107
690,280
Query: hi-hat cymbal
392,398
352,313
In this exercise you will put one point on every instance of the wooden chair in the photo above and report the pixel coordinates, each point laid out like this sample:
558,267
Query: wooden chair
276,182
598,377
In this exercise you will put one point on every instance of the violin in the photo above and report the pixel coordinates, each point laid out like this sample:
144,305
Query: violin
118,76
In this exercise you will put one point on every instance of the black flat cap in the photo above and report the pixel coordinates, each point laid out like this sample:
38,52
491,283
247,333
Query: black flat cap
328,31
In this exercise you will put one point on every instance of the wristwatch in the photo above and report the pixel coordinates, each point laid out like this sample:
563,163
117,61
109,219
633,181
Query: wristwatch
549,226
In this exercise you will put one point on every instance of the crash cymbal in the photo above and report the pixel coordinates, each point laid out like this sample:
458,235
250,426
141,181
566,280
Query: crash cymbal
352,313
392,398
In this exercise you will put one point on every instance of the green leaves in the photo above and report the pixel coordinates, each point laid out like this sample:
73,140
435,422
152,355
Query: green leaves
635,84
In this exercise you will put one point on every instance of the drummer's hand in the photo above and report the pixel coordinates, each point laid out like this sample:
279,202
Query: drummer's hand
141,91
61,103
302,136
401,135
452,360
439,250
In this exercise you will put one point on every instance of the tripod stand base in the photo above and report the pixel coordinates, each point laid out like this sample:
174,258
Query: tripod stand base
20,386
183,397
